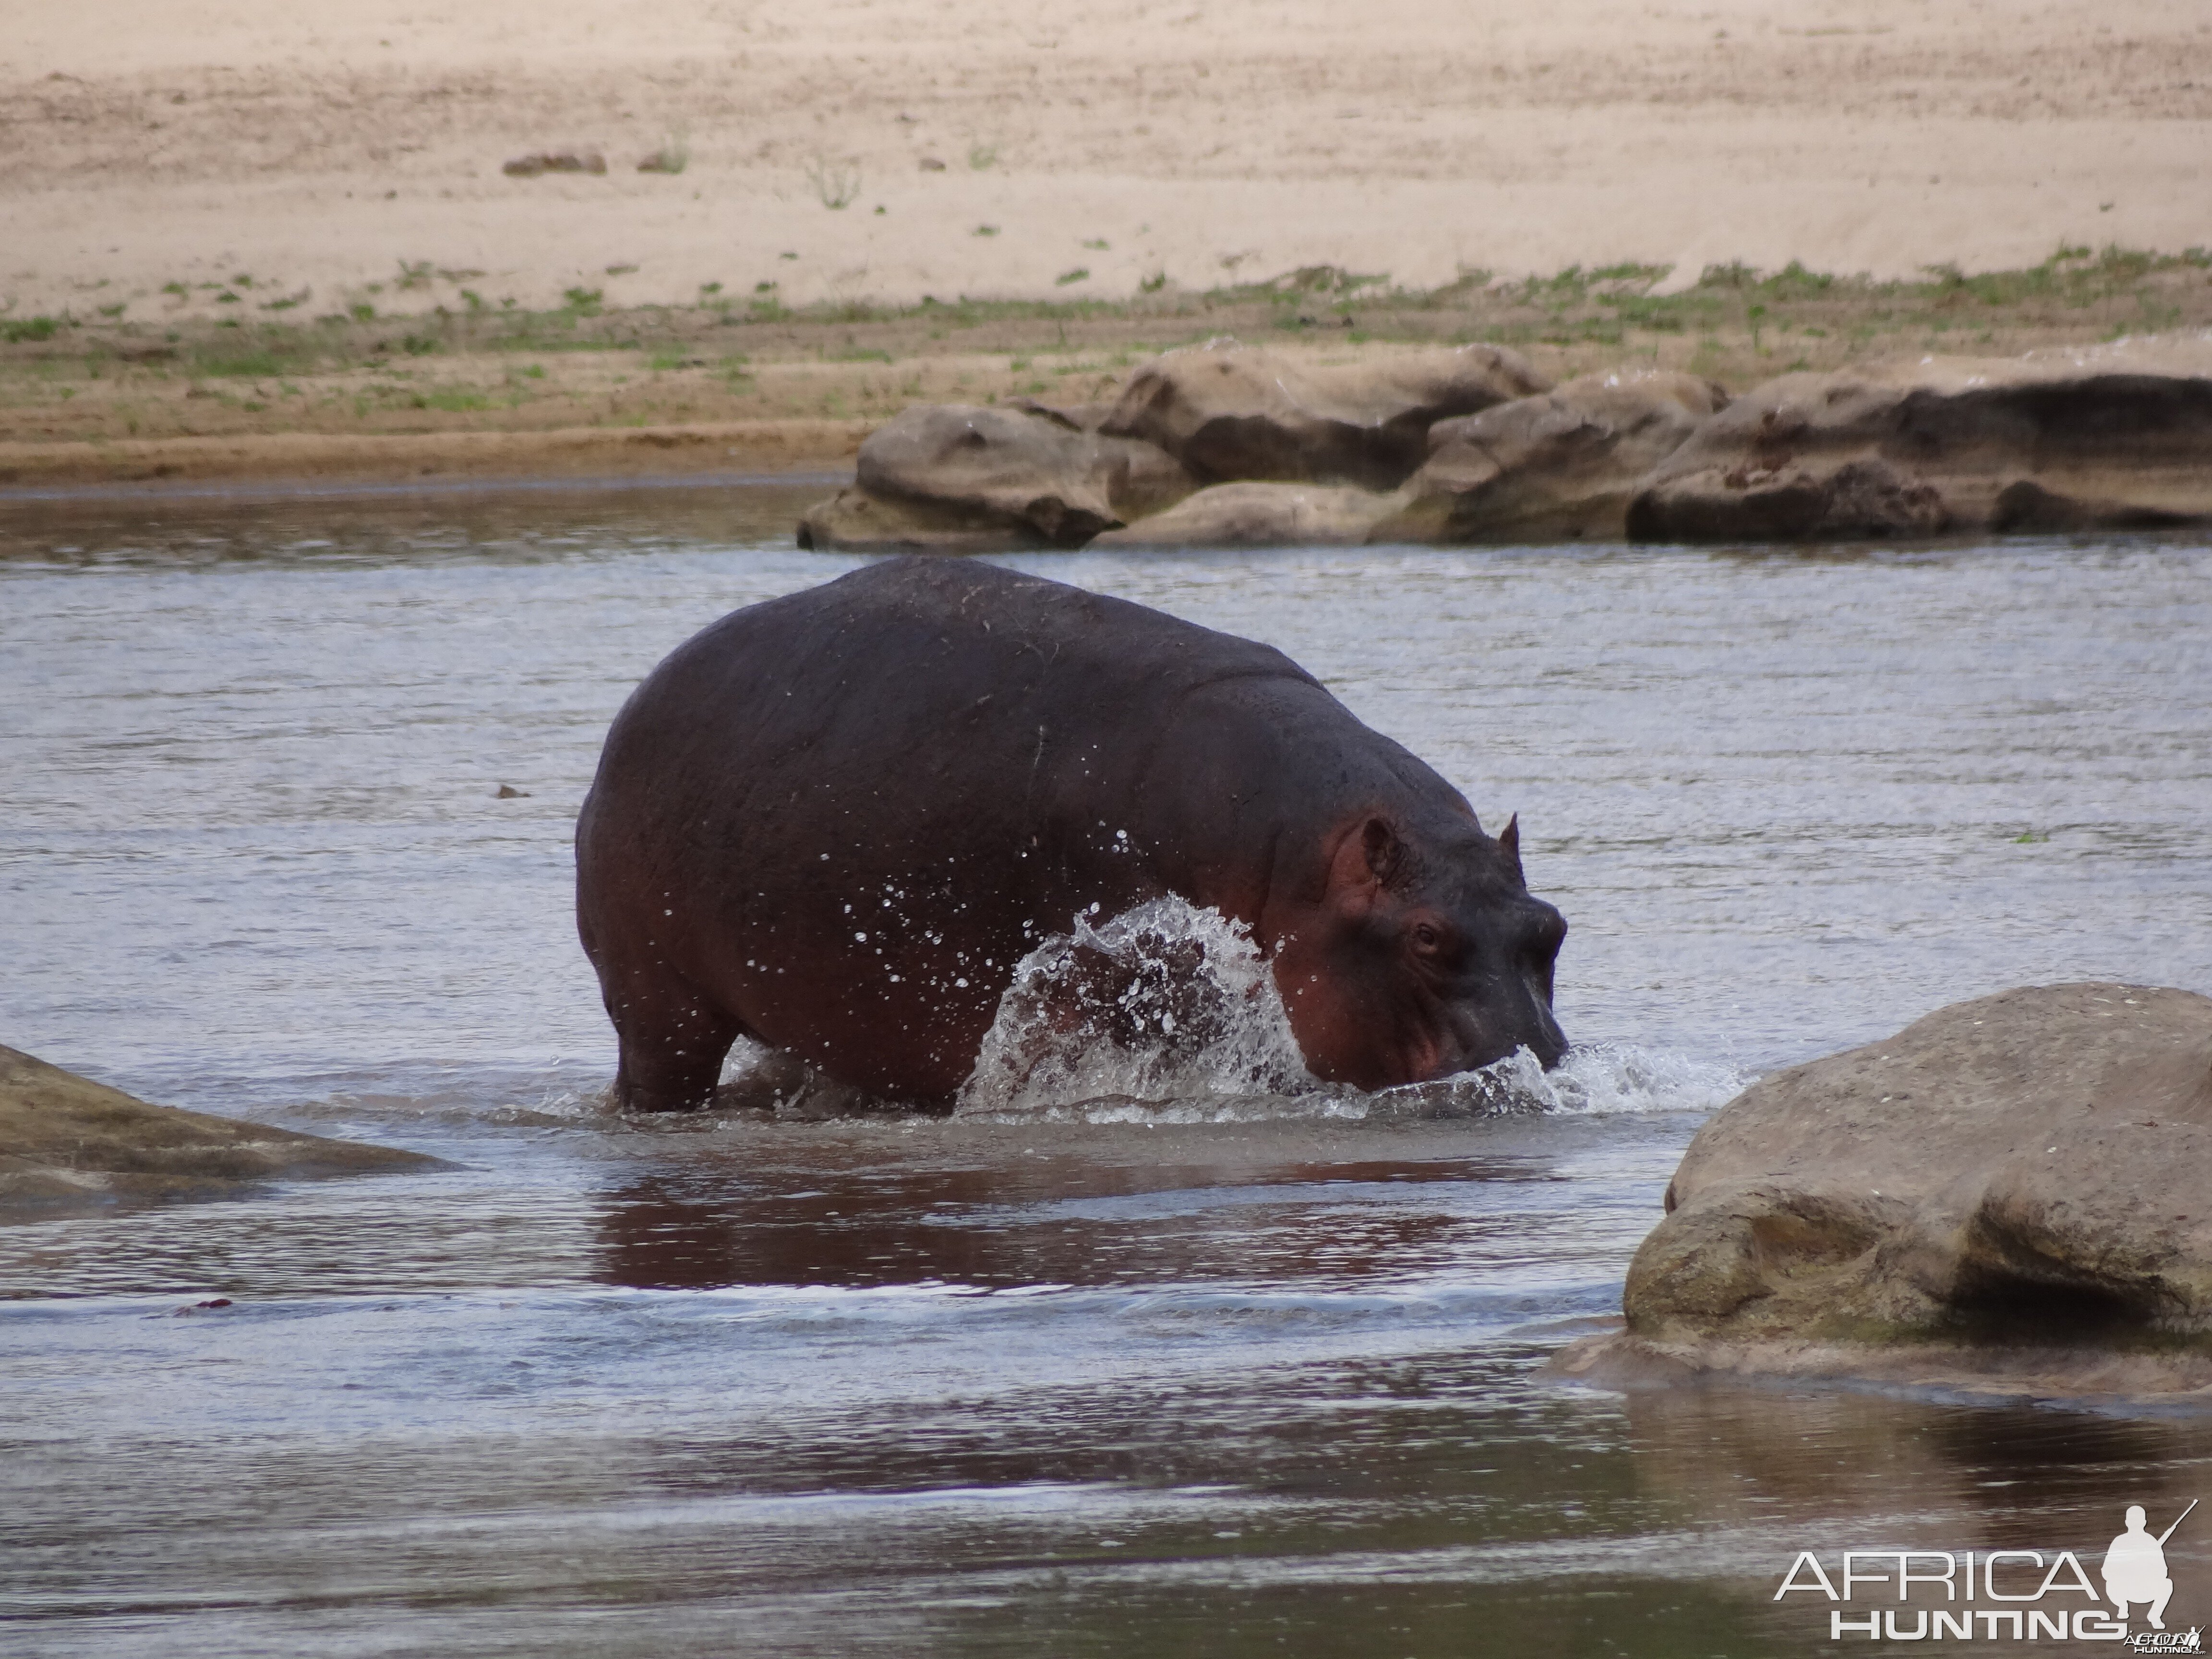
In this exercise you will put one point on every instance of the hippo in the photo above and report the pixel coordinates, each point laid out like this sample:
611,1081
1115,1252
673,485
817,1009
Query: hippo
836,822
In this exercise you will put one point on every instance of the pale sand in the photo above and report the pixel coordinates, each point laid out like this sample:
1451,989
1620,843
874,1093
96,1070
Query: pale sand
318,147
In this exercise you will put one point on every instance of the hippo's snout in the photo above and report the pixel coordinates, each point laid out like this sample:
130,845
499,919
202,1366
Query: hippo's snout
1485,1034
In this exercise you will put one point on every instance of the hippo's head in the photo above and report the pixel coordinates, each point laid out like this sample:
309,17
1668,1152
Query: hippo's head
1423,956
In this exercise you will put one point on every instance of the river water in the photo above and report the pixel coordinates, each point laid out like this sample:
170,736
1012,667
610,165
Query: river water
1218,1374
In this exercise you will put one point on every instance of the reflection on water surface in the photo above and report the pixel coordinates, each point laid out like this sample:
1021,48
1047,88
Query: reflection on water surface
878,1386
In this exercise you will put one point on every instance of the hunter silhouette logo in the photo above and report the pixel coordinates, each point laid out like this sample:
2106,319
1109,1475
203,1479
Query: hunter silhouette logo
2011,1594
2134,1566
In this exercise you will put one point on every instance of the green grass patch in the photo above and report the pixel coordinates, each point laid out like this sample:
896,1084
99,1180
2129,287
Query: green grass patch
454,400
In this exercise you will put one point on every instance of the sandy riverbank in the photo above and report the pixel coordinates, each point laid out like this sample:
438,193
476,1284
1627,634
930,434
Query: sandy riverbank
994,151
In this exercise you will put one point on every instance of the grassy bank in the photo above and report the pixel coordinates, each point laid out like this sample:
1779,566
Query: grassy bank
757,383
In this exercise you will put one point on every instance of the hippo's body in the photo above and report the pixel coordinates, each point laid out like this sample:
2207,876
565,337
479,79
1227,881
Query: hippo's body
836,822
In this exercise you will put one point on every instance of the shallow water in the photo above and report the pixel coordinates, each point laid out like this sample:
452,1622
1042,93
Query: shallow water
1107,1383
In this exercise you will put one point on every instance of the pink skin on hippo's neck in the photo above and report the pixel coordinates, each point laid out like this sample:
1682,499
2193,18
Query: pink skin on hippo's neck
1397,967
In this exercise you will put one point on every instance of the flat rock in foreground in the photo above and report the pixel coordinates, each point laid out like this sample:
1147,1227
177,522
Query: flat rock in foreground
2114,437
67,1142
2009,1196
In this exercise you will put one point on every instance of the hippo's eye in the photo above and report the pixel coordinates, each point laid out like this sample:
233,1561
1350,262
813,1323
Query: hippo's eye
1426,937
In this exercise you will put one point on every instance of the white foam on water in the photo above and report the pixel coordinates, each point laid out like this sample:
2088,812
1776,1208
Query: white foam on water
1601,1079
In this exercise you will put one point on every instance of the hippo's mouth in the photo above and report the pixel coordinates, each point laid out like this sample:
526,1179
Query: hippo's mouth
1475,1043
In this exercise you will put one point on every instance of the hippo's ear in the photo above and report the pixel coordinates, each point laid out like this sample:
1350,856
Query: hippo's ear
1509,843
1384,852
1364,862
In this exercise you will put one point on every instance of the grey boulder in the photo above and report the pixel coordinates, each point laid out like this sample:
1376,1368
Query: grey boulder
2015,1185
1230,412
964,478
1561,465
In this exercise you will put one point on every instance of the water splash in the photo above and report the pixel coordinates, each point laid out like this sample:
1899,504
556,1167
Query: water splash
1605,1078
1166,1010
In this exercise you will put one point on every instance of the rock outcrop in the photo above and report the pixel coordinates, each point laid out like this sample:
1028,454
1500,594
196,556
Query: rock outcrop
1472,445
1558,466
1230,412
1260,515
67,1142
2009,1187
2111,437
961,479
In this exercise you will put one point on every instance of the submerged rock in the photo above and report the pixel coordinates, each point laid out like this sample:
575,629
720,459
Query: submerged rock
67,1142
1556,466
2008,1194
2110,437
1228,413
959,478
1260,515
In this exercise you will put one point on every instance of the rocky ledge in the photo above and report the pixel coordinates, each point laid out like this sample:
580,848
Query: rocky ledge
1224,445
67,1143
2006,1199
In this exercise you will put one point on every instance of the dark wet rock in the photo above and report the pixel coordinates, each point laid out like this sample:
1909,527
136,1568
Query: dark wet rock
1230,412
1260,515
67,1142
1559,465
2010,1190
2108,437
555,160
960,478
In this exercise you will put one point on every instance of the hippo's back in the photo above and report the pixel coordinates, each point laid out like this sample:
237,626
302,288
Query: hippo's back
946,684
915,635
